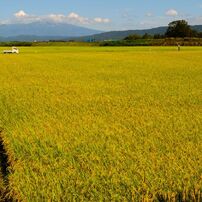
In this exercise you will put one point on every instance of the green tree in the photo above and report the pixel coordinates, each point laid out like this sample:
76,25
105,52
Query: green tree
179,28
200,35
158,36
132,37
147,36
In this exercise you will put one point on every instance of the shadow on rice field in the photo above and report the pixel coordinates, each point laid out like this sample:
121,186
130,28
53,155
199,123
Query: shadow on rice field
4,172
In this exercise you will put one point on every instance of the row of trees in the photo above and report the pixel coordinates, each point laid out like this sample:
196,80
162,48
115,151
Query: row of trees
176,29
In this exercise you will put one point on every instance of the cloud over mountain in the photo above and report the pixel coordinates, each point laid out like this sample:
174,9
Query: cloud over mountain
20,14
73,18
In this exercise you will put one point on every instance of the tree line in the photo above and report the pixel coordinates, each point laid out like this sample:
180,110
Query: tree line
176,29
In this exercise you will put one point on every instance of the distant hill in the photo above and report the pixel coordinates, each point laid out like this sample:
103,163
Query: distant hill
42,31
119,35
197,28
45,31
31,38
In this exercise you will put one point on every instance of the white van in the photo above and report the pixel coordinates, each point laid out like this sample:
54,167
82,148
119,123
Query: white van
14,50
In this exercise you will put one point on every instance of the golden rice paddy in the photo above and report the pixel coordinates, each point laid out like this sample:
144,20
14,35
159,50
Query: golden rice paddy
102,123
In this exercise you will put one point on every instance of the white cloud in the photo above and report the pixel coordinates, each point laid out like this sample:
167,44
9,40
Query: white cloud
56,17
76,18
20,14
101,20
172,13
73,18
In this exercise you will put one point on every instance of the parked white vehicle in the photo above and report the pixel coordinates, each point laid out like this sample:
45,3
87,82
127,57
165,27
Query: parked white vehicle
13,50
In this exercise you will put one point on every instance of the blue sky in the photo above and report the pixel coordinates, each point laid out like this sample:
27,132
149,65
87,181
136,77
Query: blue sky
104,14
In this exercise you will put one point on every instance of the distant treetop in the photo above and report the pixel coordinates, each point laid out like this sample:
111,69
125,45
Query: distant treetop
180,28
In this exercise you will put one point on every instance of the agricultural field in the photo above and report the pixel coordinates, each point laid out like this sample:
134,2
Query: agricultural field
101,124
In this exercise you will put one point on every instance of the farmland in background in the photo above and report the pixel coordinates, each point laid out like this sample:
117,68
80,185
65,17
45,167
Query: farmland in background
102,123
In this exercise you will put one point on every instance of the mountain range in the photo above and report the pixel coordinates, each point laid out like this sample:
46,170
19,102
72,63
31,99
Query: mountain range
119,35
45,31
42,31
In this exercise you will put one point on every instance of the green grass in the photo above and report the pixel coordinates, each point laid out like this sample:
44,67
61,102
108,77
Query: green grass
102,123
